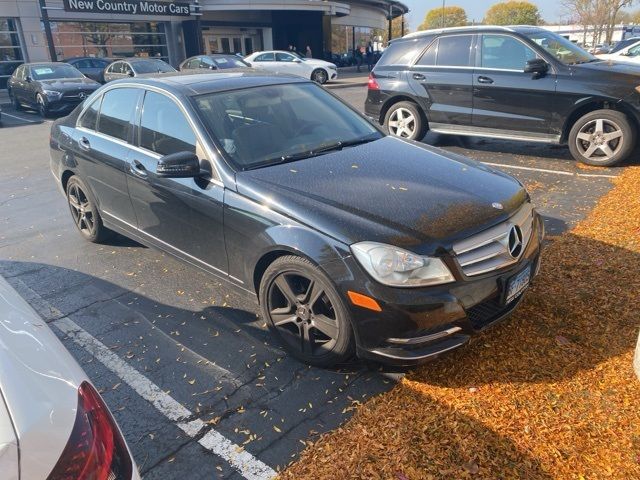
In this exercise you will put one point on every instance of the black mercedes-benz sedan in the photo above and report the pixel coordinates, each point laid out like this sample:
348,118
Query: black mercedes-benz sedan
49,87
352,241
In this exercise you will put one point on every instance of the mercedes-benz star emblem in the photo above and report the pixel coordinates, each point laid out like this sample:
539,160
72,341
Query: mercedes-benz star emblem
497,205
515,241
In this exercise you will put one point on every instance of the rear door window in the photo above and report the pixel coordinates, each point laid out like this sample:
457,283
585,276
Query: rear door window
454,51
265,57
116,113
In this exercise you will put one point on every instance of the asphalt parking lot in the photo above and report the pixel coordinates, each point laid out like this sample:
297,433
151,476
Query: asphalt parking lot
187,367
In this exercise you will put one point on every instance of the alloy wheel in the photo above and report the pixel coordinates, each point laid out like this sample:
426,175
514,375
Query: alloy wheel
320,76
81,210
402,123
600,139
42,108
302,313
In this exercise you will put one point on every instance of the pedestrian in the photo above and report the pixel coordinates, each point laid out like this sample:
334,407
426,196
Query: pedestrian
307,53
358,54
369,56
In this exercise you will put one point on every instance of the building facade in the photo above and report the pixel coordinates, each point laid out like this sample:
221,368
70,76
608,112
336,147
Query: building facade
40,30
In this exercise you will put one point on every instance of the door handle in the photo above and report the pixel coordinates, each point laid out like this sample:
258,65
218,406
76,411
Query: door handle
138,169
483,79
84,144
419,76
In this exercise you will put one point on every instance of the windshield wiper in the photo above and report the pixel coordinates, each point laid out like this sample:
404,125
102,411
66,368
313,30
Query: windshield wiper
316,151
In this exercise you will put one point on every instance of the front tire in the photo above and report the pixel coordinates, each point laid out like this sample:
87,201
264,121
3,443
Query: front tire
306,312
319,76
405,120
602,138
41,103
84,212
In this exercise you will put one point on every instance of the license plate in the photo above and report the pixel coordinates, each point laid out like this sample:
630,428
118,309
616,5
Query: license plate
517,284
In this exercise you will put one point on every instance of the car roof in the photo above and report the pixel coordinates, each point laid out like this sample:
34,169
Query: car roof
33,64
194,83
474,29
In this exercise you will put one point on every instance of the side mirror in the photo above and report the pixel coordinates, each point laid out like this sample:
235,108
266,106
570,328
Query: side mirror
536,66
130,73
297,60
29,79
178,165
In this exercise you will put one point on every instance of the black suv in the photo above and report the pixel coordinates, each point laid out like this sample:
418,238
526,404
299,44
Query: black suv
518,83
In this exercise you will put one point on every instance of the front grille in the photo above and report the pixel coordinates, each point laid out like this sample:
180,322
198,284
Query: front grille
484,313
76,95
490,250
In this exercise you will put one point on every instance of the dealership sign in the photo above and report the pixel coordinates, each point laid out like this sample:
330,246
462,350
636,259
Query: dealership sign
128,7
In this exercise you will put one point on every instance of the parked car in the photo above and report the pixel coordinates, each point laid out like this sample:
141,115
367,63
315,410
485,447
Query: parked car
600,49
49,87
623,44
53,423
291,62
628,54
351,240
518,83
217,61
91,67
134,67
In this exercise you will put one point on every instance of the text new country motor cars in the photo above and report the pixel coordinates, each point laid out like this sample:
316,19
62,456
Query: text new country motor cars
518,83
49,87
53,423
351,240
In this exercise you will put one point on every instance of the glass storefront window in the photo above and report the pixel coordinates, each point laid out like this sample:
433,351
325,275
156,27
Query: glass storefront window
10,49
102,39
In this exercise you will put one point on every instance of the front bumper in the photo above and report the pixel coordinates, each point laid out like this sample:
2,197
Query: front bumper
418,324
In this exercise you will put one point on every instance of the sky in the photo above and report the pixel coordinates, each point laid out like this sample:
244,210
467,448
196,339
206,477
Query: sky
550,9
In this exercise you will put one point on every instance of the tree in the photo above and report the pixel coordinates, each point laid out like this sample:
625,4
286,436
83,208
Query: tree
452,16
396,27
513,12
599,15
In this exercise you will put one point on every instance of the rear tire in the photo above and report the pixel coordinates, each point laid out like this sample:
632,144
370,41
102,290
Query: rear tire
306,312
406,120
84,212
602,138
14,101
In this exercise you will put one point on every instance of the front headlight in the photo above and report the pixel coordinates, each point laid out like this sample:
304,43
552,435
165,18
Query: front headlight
52,93
400,268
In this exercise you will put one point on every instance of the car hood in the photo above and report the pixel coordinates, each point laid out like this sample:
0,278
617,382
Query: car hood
67,84
319,63
610,66
390,191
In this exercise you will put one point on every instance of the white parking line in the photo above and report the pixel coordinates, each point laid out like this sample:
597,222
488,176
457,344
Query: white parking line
246,464
545,170
5,114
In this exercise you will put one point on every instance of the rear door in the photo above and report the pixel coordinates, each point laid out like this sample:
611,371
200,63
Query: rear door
504,97
101,145
443,77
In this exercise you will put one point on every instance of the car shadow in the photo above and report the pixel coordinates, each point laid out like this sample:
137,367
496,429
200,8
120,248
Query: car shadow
130,323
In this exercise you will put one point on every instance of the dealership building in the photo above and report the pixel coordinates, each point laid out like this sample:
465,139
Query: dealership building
40,30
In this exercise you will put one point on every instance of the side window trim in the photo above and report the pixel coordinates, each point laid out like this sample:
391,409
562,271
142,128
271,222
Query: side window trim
97,100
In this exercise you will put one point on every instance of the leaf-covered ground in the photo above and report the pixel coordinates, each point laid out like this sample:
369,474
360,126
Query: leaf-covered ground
548,394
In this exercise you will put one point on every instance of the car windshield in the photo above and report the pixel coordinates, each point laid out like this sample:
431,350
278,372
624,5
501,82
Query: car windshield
561,48
51,72
262,126
230,61
152,66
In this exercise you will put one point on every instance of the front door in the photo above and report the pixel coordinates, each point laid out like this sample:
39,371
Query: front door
182,215
506,98
442,78
287,63
102,142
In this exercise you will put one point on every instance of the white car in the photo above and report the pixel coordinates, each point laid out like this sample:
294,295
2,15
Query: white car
53,423
290,62
628,54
